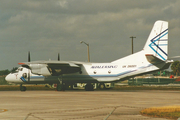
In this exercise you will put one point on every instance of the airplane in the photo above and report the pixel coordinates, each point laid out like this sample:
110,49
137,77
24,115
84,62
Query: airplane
153,57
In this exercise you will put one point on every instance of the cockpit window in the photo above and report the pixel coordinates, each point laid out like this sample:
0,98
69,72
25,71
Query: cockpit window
16,71
20,69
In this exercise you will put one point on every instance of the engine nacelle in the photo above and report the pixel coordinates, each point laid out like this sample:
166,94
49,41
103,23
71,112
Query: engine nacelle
40,69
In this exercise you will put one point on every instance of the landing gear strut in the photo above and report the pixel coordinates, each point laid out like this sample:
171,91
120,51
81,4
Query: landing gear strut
89,87
61,86
22,88
102,86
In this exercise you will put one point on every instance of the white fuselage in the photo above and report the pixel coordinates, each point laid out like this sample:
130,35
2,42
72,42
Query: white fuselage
117,70
153,57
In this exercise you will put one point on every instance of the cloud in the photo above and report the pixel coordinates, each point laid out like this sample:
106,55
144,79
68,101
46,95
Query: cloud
48,27
63,4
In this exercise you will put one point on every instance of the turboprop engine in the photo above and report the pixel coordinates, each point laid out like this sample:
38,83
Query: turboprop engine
40,69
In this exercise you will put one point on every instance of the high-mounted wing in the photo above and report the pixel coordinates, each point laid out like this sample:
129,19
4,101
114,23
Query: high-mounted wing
54,68
58,69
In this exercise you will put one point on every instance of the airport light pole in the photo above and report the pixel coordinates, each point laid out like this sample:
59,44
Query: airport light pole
132,43
87,49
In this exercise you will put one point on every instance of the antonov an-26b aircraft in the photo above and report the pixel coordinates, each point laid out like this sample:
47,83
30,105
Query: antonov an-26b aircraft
151,58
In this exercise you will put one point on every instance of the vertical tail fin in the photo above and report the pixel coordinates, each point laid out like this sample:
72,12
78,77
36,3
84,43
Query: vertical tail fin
157,42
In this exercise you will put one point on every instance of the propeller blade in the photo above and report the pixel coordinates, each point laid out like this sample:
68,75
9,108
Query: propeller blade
29,59
58,57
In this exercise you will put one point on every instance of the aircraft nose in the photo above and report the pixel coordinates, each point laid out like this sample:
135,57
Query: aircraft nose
10,78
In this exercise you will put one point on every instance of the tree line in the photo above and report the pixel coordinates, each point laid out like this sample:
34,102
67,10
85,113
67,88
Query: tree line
6,72
175,67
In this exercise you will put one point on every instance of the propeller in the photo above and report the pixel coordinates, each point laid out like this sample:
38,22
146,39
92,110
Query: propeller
29,60
58,57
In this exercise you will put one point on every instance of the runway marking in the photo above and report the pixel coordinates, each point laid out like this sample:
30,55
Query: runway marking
117,111
110,113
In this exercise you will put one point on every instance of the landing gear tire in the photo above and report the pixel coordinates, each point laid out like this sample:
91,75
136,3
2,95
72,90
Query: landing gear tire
102,86
89,87
61,87
22,88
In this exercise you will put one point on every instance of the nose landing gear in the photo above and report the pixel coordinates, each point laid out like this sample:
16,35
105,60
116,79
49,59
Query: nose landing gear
61,85
22,88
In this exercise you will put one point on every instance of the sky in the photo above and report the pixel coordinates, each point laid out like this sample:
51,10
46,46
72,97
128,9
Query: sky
48,27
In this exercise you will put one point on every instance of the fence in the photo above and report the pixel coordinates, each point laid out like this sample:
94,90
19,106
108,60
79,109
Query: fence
150,81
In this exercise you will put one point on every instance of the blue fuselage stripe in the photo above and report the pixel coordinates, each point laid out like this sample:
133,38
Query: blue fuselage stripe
107,75
23,79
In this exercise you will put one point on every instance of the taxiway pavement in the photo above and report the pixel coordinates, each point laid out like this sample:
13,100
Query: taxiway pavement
83,105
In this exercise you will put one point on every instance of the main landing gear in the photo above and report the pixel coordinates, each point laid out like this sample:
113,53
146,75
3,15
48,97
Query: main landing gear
89,87
22,88
61,86
102,86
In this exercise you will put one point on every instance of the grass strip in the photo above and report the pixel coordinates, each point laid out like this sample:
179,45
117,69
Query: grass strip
126,87
170,112
116,88
29,87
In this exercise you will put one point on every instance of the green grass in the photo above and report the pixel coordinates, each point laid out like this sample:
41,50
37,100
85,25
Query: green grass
29,87
146,88
3,81
6,86
170,112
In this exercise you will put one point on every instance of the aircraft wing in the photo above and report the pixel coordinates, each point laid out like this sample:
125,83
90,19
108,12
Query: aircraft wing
54,68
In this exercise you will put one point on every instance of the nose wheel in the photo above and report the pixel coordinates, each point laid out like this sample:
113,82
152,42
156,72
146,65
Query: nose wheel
22,88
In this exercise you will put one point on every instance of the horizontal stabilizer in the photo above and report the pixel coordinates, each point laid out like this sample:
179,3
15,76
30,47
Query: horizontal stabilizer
153,59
